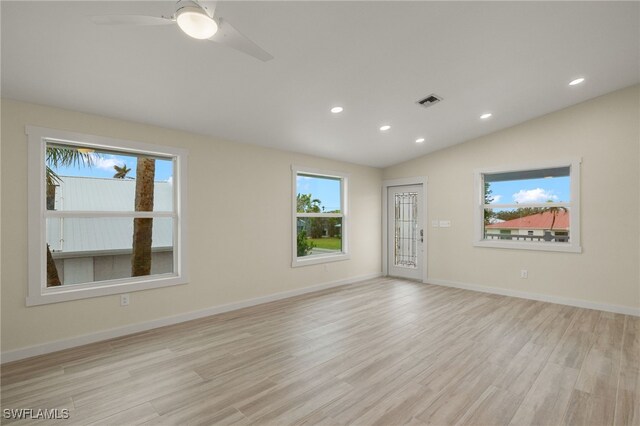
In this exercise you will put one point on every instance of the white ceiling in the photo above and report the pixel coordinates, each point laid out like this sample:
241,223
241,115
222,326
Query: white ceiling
376,59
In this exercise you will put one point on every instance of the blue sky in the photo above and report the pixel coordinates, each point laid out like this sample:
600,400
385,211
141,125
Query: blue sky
531,190
103,167
326,190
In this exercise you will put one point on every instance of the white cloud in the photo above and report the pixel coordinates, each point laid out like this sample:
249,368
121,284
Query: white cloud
170,180
537,195
105,162
496,198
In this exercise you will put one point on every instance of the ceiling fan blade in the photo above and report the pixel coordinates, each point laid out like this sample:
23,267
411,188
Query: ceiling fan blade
130,20
233,38
209,6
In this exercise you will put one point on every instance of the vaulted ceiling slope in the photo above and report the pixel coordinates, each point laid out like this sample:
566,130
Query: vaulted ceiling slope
375,59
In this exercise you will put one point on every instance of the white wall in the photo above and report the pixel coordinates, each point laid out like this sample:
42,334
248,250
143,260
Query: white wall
605,133
239,229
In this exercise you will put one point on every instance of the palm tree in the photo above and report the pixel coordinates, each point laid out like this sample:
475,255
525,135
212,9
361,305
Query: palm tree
554,210
143,227
53,279
121,172
55,157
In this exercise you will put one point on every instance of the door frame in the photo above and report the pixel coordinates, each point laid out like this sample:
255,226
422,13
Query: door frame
386,184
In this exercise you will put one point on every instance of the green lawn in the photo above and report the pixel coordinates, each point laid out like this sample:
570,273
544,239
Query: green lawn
327,243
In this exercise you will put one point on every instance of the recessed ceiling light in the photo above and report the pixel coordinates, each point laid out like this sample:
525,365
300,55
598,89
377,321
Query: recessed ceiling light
486,115
337,110
576,81
419,140
385,128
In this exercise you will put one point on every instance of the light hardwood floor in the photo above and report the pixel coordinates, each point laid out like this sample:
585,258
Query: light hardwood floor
380,352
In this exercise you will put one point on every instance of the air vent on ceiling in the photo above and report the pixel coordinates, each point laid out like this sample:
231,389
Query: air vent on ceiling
432,99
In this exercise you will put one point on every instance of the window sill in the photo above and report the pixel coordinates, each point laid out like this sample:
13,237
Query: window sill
86,291
557,247
318,259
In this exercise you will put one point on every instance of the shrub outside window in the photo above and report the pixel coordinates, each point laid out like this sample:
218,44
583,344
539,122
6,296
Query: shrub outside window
106,216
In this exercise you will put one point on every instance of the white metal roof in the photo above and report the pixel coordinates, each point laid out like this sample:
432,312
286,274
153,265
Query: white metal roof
100,234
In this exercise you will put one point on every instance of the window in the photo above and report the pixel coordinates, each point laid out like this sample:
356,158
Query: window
105,216
505,234
320,219
535,208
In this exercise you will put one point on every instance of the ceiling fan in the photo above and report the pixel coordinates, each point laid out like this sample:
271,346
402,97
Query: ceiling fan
197,20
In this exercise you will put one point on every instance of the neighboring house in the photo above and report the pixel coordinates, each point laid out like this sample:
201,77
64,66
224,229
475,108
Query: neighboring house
98,249
536,227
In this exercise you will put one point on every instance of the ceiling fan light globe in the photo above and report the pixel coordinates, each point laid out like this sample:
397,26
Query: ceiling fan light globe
196,23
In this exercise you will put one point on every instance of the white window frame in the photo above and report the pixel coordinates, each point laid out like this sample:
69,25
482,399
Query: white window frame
573,246
344,209
38,292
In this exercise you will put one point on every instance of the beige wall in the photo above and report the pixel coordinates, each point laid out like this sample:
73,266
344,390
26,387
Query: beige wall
604,132
240,244
239,228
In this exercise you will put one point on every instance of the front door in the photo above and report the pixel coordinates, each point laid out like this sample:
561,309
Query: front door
405,231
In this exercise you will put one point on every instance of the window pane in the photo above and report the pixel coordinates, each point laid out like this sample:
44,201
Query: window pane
319,236
406,230
528,224
94,180
98,249
317,194
526,187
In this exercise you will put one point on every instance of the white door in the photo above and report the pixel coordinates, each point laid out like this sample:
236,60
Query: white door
405,231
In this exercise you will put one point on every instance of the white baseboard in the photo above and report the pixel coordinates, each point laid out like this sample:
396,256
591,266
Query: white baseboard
84,339
626,310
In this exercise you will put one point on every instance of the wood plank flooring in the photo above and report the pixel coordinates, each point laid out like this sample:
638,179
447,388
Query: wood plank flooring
380,352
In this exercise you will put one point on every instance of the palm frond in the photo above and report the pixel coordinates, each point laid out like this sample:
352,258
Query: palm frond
58,156
121,172
51,177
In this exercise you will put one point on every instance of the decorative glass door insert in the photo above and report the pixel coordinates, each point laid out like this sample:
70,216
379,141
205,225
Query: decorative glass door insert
406,230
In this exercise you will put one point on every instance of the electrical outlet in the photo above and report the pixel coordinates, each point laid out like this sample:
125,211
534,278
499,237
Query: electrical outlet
124,299
445,223
524,273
